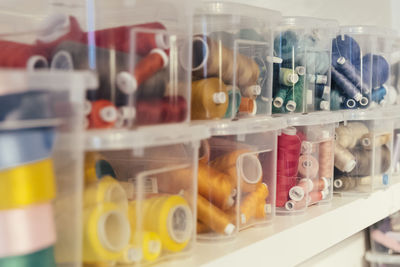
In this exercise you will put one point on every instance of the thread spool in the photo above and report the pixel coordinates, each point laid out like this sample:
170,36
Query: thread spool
42,258
19,55
290,101
251,91
317,78
375,70
96,166
322,91
326,158
288,77
234,103
344,160
252,200
317,196
285,43
364,161
248,106
209,99
345,46
143,246
213,217
297,205
345,85
348,136
207,56
294,99
352,74
103,114
378,95
308,166
241,166
202,228
344,183
369,141
305,186
337,100
280,97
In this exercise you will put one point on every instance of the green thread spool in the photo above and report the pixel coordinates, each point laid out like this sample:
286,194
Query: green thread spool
280,97
238,99
288,77
42,258
295,96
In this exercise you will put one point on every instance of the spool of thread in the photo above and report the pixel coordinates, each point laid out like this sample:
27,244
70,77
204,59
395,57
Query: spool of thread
151,246
234,103
207,56
280,97
24,231
295,98
103,114
378,95
42,258
364,161
369,141
96,166
213,217
248,106
19,55
252,200
297,205
352,74
317,196
26,185
326,158
251,91
143,246
346,86
204,151
322,91
216,186
241,166
106,233
337,101
375,70
202,228
285,44
345,46
209,99
288,77
344,160
317,78
345,183
348,136
308,166
305,186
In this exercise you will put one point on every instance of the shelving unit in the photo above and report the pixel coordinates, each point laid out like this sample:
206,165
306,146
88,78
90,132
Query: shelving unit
302,236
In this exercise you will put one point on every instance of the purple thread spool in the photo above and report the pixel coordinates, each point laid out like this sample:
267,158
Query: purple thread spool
345,85
352,74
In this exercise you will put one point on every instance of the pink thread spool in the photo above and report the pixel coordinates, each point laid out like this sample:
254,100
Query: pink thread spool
305,186
326,159
308,166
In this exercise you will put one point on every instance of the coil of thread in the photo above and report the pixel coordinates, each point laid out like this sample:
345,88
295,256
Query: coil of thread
252,200
308,166
326,159
348,136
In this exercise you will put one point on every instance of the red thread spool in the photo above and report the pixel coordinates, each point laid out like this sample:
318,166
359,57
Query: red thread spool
147,67
289,146
103,114
18,55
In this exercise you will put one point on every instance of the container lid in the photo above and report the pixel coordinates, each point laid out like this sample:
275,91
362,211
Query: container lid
323,117
309,22
245,126
369,114
149,136
368,29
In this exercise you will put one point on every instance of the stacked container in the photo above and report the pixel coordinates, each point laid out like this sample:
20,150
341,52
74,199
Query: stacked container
140,193
302,47
232,61
236,177
395,70
305,162
360,68
363,152
41,167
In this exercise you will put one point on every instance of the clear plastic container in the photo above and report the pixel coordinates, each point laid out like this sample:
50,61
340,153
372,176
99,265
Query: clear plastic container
360,67
363,152
144,182
232,61
305,162
139,49
394,61
302,74
41,134
236,177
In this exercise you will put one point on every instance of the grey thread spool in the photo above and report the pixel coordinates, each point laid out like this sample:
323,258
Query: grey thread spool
364,161
344,183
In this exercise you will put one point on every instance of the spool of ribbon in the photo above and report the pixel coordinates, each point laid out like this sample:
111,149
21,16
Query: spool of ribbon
27,185
106,233
19,147
24,231
96,166
42,258
19,55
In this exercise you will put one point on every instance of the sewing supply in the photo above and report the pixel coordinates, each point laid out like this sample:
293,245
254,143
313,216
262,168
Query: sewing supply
294,99
326,158
307,185
378,95
251,91
252,200
285,44
322,91
368,141
364,161
290,101
151,246
103,114
24,231
314,61
308,166
168,216
27,184
207,56
215,186
297,205
213,217
344,160
105,190
202,228
209,99
345,85
345,183
348,48
144,245
280,97
317,196
288,77
235,99
19,55
375,70
247,106
42,258
352,74
243,163
317,78
96,166
349,135
106,233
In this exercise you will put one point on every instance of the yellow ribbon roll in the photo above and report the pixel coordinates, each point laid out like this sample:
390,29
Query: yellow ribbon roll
106,233
27,184
168,216
96,166
145,245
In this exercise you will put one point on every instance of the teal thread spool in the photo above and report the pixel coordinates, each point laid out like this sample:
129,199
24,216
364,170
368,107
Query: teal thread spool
295,94
280,97
288,77
238,98
42,258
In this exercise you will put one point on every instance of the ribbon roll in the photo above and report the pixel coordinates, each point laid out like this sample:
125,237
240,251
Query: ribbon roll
24,231
26,185
20,147
42,258
96,166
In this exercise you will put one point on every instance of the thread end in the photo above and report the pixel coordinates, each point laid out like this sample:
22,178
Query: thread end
126,82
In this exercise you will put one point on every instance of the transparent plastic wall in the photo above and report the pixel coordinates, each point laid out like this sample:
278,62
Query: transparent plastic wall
140,194
396,150
302,47
232,61
236,178
139,49
305,162
394,61
41,134
363,152
360,67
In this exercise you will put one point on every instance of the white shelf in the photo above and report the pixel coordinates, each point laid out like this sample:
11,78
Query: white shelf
291,240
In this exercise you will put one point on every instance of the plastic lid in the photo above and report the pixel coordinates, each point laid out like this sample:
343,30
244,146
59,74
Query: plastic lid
367,29
380,113
148,136
323,117
308,22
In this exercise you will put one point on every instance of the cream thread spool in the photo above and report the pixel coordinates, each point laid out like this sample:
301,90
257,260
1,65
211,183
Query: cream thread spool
368,141
348,136
251,91
344,160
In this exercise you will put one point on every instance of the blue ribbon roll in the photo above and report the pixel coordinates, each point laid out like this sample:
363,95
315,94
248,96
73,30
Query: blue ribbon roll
42,258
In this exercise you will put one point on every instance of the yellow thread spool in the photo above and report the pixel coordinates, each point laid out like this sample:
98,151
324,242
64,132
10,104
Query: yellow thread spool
106,190
250,204
151,246
106,233
209,99
168,216
27,184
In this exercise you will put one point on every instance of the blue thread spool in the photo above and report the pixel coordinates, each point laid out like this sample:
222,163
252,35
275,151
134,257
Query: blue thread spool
336,99
236,105
322,91
352,74
377,67
379,94
284,44
349,103
364,102
348,48
345,85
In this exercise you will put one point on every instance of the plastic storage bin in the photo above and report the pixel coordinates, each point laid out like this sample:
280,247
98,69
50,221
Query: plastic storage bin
138,49
140,192
302,73
236,177
363,152
232,61
360,67
41,167
305,162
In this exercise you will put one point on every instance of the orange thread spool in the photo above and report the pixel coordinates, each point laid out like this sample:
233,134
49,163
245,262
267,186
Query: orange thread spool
248,106
213,217
103,114
248,207
326,159
261,211
204,152
202,228
215,186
